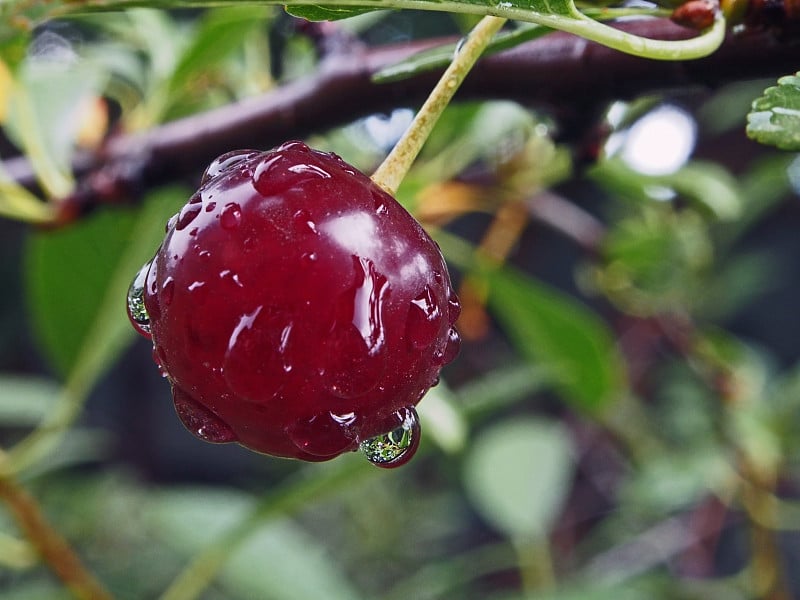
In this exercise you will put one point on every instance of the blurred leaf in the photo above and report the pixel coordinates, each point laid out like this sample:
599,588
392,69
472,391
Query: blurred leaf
775,117
443,418
500,387
40,590
325,12
599,591
677,479
518,473
280,561
16,553
25,400
555,331
707,185
468,133
44,117
656,261
68,271
220,32
79,310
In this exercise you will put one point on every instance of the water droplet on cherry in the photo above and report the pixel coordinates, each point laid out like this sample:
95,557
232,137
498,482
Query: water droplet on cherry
199,420
137,312
396,447
424,320
323,435
356,359
231,216
187,215
168,291
225,162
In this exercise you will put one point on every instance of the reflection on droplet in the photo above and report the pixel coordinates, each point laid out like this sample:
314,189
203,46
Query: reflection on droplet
231,216
460,45
187,215
260,354
168,291
136,308
453,346
423,321
224,162
199,420
454,308
312,170
396,447
324,435
170,223
158,358
356,360
262,176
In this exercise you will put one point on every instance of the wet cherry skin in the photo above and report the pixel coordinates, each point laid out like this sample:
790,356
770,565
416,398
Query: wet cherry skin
295,307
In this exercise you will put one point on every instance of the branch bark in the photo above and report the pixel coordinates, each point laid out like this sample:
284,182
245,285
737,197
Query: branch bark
556,71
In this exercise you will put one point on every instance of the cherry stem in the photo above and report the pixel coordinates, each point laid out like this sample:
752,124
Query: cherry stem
393,169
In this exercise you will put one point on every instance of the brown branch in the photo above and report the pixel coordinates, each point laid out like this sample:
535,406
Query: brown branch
559,70
49,544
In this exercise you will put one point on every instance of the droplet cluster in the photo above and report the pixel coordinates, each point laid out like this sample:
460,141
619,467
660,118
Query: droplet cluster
297,309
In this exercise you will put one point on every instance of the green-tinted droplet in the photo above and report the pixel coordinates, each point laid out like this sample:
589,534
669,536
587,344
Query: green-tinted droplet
136,308
396,447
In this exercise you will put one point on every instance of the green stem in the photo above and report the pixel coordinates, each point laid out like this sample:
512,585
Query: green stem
391,172
568,18
315,484
535,564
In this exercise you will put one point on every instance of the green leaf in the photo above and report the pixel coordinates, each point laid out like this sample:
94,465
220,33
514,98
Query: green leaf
326,12
517,475
68,272
25,400
221,32
775,117
443,418
77,281
707,185
44,116
280,561
672,481
555,331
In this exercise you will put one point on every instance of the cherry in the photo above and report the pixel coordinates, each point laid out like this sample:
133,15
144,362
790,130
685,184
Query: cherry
297,309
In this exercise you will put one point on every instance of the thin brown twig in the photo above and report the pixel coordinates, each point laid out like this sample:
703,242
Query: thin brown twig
54,550
556,71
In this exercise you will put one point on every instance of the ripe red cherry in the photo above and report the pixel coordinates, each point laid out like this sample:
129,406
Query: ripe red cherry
297,309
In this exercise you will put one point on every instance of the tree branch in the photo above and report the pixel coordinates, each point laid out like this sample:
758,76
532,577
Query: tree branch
558,70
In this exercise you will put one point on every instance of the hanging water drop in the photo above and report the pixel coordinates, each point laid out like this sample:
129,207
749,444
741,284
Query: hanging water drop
460,45
398,446
137,312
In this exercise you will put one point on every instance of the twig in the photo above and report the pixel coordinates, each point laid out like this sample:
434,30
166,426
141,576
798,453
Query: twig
49,544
